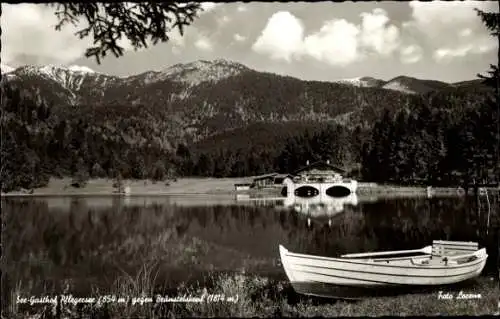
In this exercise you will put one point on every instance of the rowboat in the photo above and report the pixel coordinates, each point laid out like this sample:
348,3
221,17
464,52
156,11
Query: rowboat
442,263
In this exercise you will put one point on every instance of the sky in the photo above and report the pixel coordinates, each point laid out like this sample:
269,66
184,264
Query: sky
322,41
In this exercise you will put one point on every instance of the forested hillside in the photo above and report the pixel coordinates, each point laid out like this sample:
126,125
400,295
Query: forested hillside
448,139
223,119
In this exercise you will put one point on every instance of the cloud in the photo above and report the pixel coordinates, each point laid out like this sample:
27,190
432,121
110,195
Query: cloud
441,54
411,54
239,38
208,6
203,43
223,20
281,38
28,30
28,36
445,54
176,50
337,42
465,32
177,42
377,34
444,13
176,39
448,26
242,8
126,44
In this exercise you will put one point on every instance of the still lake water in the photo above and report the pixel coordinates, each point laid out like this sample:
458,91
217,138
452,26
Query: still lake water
89,243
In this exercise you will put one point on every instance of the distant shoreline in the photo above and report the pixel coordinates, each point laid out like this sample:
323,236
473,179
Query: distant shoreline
104,187
191,186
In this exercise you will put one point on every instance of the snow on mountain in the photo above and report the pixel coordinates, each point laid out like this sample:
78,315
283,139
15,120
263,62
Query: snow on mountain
70,78
78,68
413,85
398,86
80,84
57,72
65,76
353,81
365,81
199,71
6,68
404,84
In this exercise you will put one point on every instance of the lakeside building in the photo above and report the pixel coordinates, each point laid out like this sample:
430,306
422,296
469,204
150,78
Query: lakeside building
319,171
316,172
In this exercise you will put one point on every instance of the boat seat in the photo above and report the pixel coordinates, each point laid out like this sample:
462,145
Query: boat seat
442,248
420,262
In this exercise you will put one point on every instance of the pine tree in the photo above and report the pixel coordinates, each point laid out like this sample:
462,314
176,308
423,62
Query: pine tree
379,156
492,22
205,165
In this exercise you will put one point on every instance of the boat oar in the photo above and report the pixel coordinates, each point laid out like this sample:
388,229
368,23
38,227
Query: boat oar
425,250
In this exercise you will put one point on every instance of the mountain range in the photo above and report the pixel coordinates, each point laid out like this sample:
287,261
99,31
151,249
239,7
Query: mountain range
201,71
202,98
220,118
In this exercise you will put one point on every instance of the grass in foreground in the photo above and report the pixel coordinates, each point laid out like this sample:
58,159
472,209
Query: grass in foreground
253,296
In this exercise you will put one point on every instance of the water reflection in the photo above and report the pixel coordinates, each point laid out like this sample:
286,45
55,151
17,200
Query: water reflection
95,239
319,206
103,202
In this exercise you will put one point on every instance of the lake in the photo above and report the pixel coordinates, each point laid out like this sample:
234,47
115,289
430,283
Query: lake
89,245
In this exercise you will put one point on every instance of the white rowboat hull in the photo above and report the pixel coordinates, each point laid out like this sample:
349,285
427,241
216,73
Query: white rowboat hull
304,269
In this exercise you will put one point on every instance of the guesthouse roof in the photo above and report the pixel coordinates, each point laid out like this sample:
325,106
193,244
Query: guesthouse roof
319,164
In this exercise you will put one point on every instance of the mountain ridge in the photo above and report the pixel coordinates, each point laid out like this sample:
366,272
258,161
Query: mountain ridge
203,97
211,119
199,71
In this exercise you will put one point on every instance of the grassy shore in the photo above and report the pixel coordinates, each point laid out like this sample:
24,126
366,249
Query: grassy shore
62,186
240,295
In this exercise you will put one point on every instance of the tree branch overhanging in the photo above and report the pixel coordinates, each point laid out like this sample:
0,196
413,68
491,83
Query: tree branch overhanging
140,23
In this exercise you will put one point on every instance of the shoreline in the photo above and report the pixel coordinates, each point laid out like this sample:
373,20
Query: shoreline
192,186
260,296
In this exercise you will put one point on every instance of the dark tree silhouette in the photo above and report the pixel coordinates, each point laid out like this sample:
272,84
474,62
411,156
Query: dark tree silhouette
138,22
492,22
